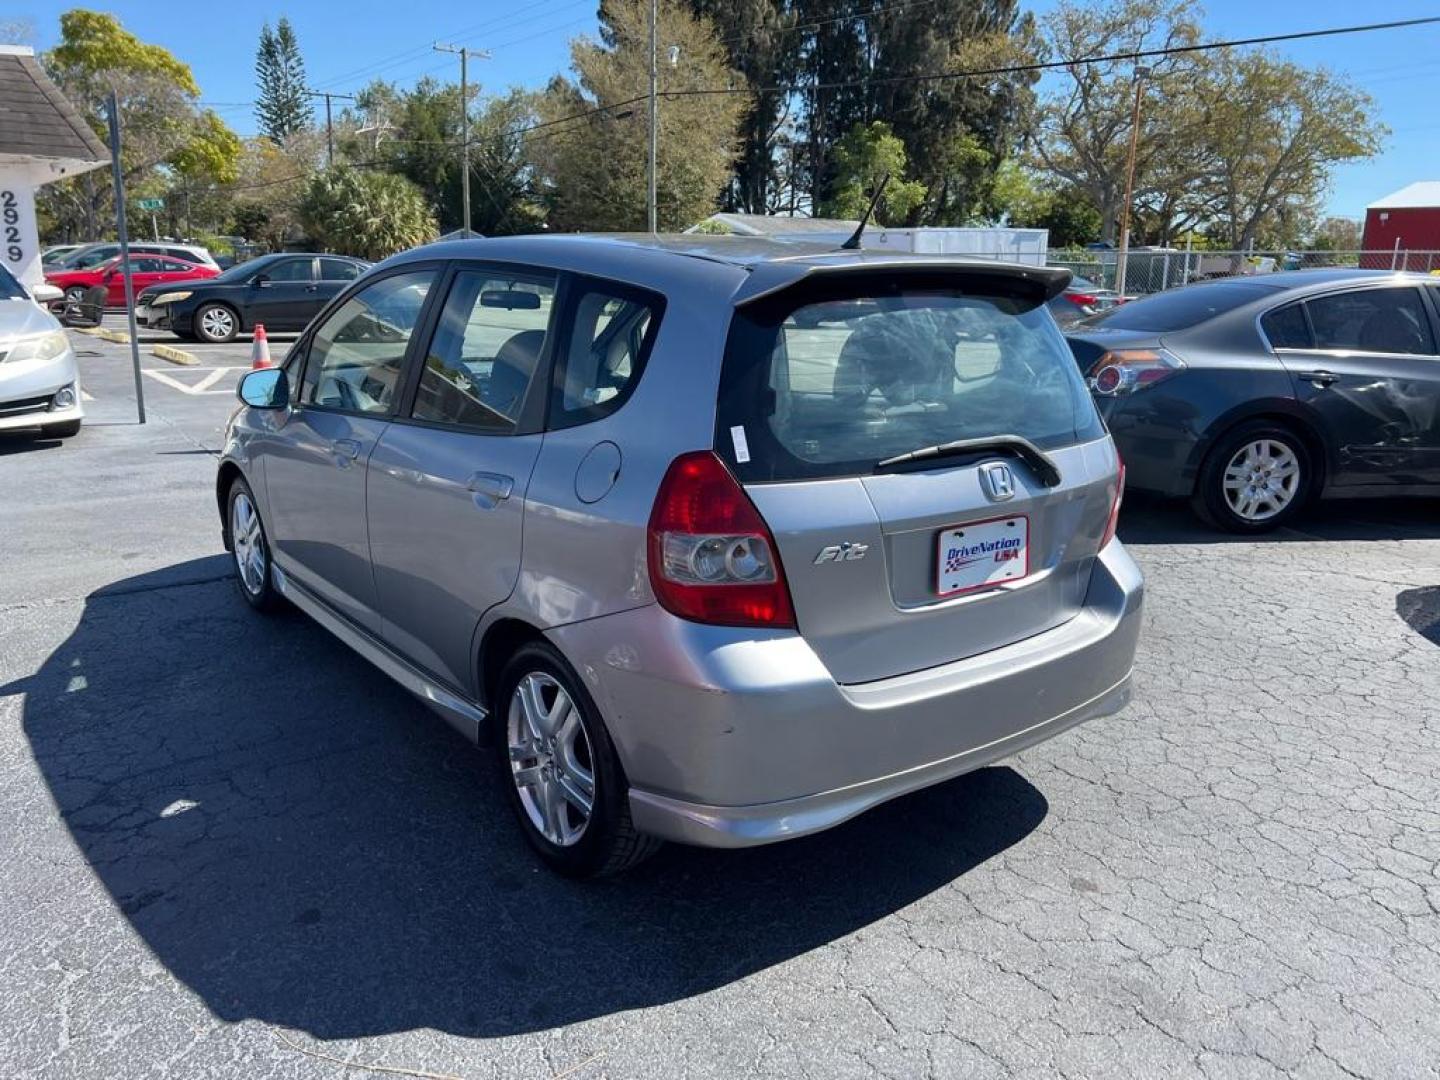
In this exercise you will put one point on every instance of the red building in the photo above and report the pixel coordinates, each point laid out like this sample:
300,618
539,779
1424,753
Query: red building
1409,218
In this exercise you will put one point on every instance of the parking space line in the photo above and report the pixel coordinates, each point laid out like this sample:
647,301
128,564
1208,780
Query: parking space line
202,387
209,380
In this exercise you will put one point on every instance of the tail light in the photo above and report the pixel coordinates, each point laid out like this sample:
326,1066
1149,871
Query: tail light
1123,371
1080,299
1114,522
712,558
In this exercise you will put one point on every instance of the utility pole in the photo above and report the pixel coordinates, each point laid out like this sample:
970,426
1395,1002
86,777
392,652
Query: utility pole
654,115
117,177
1124,255
464,54
329,122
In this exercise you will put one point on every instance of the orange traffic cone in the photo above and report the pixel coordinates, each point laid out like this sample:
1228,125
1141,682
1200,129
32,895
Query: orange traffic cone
260,351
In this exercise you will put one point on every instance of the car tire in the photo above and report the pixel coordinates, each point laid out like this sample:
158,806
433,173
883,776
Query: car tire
67,430
250,548
1257,477
75,295
547,753
216,323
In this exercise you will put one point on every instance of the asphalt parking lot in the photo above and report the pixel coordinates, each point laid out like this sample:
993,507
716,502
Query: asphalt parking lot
229,847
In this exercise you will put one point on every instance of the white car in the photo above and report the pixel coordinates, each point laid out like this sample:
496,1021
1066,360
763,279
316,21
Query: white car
39,377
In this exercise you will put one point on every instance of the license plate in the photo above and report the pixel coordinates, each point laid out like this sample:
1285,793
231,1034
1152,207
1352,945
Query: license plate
981,554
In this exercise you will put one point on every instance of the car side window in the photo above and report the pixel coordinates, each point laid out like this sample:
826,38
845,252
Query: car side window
486,350
1390,320
1286,328
607,346
149,264
290,270
357,353
338,270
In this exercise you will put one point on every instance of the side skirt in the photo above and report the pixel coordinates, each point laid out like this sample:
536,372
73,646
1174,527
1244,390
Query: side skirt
464,716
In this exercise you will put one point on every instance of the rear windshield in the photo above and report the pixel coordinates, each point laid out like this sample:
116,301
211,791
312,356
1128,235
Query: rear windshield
832,386
1181,309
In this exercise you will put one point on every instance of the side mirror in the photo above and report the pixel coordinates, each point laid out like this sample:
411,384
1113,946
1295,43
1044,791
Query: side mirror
265,388
258,280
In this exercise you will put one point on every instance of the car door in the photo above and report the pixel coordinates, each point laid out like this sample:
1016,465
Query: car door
448,479
1364,361
142,271
316,463
335,275
283,295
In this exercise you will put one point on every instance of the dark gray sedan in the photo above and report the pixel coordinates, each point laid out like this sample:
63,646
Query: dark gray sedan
1252,396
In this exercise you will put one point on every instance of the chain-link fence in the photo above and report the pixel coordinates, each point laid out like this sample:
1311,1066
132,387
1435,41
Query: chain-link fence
1151,270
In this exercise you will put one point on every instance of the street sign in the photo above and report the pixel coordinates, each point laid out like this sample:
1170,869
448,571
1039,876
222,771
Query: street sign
152,205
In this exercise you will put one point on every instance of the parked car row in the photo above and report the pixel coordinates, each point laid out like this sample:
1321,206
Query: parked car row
200,302
282,291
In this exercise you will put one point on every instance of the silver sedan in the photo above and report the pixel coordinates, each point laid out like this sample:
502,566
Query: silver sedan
39,379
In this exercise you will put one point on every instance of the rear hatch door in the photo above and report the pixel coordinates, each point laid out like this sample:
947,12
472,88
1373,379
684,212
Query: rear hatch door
897,566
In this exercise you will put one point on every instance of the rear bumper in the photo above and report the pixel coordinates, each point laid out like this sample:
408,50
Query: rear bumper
733,738
1161,457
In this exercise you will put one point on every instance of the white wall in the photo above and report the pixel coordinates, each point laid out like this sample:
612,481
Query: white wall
19,238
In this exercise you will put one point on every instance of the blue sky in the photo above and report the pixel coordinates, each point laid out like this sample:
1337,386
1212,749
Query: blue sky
348,44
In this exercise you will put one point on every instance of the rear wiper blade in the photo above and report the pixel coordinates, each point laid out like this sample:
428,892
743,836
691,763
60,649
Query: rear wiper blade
1015,446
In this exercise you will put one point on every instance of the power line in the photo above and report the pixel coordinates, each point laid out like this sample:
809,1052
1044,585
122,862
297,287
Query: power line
1010,69
408,56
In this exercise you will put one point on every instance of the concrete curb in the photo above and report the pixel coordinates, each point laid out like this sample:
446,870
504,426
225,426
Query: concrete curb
174,355
118,337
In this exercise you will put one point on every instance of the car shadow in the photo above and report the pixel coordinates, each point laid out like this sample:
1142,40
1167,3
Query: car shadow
302,843
1420,608
24,442
1151,520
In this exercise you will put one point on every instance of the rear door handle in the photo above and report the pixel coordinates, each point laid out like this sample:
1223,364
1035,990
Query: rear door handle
345,451
490,489
1320,379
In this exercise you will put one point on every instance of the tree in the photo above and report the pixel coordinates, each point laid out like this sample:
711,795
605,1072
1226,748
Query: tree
264,203
1083,129
366,214
590,171
762,42
1275,130
863,62
1337,234
863,158
282,106
164,132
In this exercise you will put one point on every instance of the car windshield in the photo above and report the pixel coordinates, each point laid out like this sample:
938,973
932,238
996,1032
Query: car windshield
834,387
10,289
1180,309
241,271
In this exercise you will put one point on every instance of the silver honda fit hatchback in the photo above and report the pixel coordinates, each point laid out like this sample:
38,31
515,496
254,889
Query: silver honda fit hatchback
714,540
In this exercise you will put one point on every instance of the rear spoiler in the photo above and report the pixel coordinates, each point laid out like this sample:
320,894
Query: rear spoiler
768,278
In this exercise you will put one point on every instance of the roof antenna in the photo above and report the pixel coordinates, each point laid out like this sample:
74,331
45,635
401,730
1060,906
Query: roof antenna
853,244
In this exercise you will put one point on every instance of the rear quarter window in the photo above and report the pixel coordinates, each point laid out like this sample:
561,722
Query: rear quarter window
831,386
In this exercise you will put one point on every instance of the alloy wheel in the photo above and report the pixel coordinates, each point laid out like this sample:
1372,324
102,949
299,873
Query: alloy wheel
1261,480
248,543
551,761
217,323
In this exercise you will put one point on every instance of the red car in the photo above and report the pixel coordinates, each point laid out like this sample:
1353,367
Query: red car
147,270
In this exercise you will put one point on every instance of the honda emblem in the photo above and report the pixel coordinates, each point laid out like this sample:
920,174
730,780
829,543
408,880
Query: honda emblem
997,481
